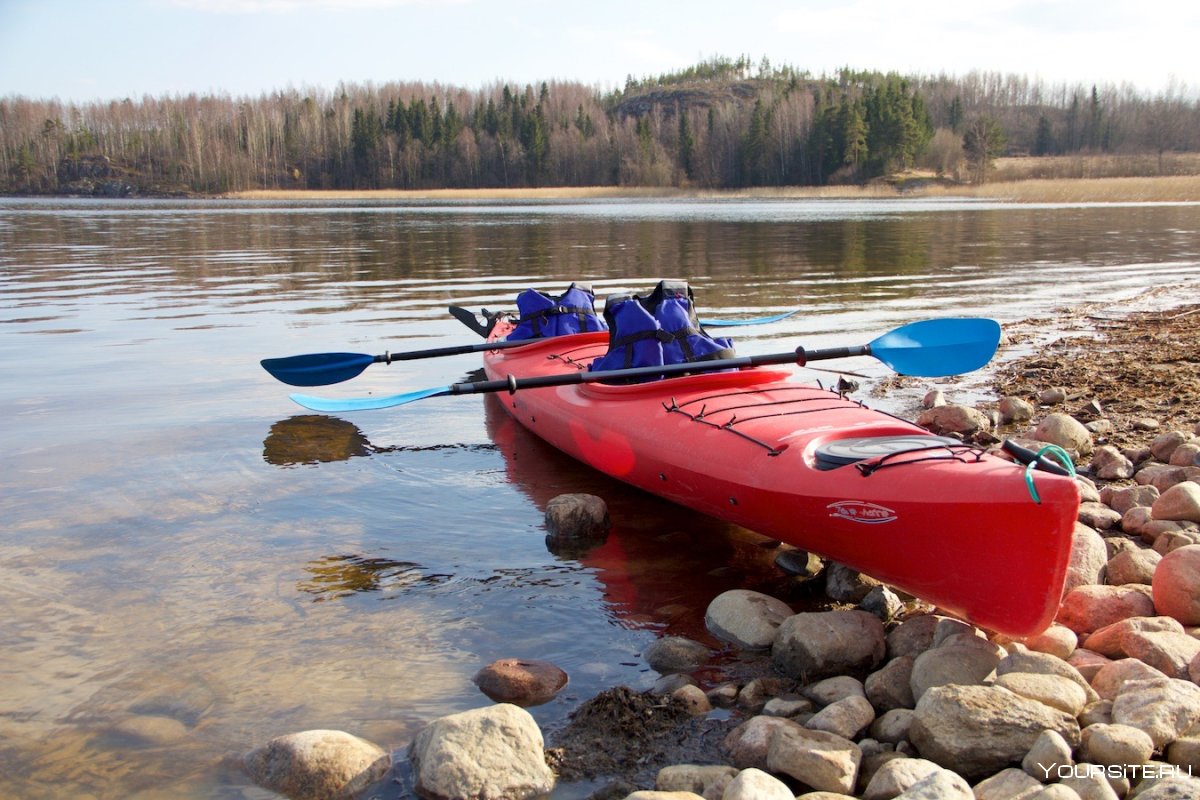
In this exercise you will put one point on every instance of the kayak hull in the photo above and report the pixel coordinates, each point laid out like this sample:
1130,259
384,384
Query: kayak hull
947,523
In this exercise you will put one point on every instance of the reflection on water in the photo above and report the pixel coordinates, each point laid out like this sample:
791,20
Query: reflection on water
171,519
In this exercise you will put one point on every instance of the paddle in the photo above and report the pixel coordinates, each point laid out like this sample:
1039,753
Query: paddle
322,369
927,349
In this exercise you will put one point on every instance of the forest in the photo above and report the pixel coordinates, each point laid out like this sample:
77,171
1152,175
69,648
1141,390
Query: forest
723,123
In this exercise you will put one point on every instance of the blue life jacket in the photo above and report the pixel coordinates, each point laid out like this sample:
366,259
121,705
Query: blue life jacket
543,316
661,328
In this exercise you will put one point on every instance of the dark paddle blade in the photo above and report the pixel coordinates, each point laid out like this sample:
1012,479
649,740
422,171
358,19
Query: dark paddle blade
936,347
317,369
469,319
900,349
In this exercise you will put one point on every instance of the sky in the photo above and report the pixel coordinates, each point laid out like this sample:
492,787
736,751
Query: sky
85,50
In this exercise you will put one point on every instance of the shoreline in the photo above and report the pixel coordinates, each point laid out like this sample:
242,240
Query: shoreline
1164,189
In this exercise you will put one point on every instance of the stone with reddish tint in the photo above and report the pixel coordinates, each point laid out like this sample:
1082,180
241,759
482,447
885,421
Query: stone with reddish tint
522,682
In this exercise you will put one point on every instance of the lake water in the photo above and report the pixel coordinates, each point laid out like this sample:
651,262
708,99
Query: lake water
191,565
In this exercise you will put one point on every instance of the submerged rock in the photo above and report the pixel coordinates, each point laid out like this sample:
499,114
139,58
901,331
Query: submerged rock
317,765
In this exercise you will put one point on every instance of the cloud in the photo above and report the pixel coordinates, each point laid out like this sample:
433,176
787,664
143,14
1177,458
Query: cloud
293,6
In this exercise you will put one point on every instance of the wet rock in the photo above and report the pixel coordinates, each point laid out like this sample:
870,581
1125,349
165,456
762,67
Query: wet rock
964,664
1066,432
1049,750
1177,584
846,585
486,752
1057,640
675,654
1008,784
1110,679
1124,498
754,784
1180,502
891,687
724,695
1052,690
755,694
1088,608
979,730
1014,409
1164,708
898,775
799,563
745,618
150,730
694,778
1115,744
847,717
523,682
576,521
1168,652
815,645
1088,557
1132,566
693,700
1107,641
824,761
317,765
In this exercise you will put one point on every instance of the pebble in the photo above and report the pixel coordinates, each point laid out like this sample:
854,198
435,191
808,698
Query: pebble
524,682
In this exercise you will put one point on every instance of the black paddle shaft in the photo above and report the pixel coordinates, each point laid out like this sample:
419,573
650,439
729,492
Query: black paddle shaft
799,356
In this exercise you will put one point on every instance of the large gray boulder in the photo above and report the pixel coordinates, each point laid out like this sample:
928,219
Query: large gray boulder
1165,708
493,752
977,731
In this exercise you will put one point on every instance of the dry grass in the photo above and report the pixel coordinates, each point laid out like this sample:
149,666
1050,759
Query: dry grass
1048,179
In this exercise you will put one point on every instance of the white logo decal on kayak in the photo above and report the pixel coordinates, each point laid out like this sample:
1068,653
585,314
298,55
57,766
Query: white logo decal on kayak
861,511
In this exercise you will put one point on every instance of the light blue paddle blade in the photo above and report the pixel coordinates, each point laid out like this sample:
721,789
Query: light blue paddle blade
333,405
937,347
730,323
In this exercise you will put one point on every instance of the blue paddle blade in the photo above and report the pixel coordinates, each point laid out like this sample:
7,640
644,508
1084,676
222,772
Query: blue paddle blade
937,347
318,369
729,323
333,405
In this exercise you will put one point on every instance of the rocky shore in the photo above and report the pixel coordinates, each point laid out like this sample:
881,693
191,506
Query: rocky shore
880,696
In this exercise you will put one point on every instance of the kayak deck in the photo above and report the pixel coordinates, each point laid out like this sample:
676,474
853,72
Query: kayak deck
941,520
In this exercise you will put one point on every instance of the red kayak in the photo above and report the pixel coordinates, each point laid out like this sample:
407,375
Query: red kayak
946,522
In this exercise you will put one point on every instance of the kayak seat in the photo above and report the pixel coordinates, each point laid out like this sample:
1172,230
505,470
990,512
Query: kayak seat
840,452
